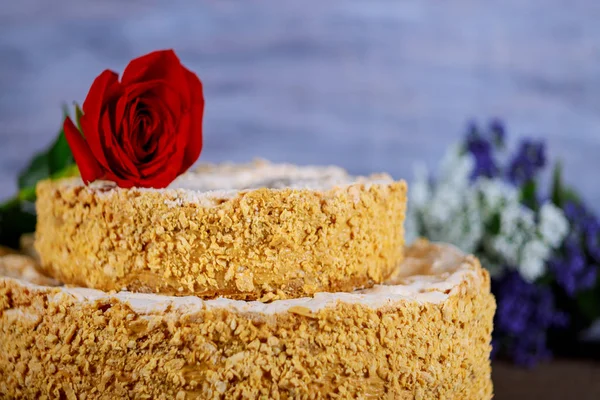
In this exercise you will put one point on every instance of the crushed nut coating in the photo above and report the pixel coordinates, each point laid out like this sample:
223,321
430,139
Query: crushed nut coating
261,243
55,344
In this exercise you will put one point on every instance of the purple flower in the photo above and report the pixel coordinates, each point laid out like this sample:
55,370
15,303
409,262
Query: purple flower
529,159
530,349
576,213
497,132
525,313
576,268
484,166
592,238
571,270
496,345
481,150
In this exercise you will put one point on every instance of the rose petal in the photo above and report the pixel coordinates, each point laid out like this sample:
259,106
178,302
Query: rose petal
92,135
170,154
168,172
153,167
154,95
121,109
132,95
153,143
140,129
128,138
157,89
89,167
191,126
104,90
163,109
162,65
161,181
155,122
121,164
194,133
147,126
194,86
105,87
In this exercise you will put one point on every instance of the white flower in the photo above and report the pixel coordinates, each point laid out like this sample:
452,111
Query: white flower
485,217
517,221
553,224
494,194
517,226
449,211
450,214
503,248
420,192
411,228
444,205
456,169
533,260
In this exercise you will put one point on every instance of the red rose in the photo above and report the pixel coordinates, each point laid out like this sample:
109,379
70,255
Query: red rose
144,130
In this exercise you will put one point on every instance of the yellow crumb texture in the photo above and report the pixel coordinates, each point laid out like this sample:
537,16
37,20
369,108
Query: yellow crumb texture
258,244
55,345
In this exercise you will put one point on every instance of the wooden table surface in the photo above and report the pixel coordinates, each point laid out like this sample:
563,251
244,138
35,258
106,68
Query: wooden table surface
557,380
372,86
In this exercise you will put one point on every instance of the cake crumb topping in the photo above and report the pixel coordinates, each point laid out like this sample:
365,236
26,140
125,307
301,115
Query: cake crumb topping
55,344
291,242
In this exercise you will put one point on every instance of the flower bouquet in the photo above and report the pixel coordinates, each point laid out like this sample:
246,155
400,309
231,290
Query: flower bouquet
541,247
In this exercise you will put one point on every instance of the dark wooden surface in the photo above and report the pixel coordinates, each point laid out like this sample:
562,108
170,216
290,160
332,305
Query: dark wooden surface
372,86
558,380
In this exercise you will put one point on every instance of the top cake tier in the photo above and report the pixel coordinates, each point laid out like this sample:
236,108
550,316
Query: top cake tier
253,231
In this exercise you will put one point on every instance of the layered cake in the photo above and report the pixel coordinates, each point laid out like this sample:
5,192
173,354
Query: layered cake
423,334
250,231
150,280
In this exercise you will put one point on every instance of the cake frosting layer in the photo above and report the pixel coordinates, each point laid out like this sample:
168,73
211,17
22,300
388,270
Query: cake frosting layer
425,334
253,231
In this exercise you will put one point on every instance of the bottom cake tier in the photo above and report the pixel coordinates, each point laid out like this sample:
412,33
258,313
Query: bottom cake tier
425,334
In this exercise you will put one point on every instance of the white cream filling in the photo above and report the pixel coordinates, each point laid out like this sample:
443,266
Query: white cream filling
261,174
446,272
224,181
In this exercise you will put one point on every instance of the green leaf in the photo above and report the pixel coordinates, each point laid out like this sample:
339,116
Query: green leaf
38,169
59,154
56,158
561,194
17,215
78,115
493,225
14,222
528,194
571,195
546,279
556,191
67,172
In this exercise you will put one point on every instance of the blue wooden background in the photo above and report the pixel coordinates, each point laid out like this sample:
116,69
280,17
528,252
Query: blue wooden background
370,85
